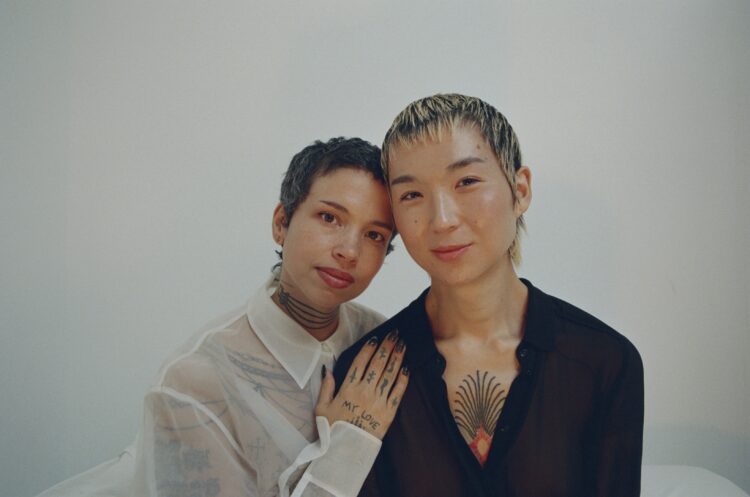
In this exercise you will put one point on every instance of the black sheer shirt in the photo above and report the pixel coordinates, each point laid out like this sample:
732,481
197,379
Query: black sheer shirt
572,423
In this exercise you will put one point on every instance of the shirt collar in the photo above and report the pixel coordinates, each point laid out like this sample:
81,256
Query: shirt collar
297,351
540,324
414,326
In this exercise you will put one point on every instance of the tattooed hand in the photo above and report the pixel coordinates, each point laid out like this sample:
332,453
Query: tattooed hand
372,390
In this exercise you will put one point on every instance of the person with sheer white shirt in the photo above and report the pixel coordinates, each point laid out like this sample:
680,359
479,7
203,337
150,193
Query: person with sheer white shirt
247,405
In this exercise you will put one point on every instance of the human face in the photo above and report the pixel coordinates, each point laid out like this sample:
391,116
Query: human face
336,239
454,207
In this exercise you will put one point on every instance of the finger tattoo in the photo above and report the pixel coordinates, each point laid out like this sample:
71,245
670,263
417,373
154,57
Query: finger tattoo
383,385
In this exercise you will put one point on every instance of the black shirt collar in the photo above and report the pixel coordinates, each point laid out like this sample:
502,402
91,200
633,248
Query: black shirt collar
414,326
540,326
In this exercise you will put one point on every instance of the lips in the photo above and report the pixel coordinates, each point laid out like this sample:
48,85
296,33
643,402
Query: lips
335,278
451,252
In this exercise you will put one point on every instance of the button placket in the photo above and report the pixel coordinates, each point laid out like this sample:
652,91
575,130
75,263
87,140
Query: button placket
526,358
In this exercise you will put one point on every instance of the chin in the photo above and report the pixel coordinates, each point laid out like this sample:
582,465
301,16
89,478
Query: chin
332,298
456,276
327,301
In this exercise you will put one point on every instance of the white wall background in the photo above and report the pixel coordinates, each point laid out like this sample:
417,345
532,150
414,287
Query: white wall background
142,146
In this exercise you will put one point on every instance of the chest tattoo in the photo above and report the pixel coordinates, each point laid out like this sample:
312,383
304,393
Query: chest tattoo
477,405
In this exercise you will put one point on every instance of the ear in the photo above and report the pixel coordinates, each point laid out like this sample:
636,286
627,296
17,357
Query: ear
279,224
523,190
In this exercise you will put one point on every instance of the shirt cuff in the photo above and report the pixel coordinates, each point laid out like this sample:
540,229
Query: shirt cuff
345,456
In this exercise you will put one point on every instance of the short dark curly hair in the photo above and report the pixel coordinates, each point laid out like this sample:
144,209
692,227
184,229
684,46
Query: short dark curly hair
321,158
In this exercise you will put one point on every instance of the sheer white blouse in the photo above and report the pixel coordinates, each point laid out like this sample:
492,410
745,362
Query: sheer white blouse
231,414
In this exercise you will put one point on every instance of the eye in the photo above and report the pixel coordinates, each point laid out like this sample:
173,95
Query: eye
327,217
468,181
409,196
375,236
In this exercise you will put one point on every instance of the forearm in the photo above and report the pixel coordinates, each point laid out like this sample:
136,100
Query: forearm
184,448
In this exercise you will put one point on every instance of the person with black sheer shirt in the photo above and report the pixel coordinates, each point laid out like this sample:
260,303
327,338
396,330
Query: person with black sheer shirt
512,392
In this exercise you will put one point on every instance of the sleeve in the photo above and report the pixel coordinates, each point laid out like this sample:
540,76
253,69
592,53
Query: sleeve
339,462
352,453
184,448
621,442
341,459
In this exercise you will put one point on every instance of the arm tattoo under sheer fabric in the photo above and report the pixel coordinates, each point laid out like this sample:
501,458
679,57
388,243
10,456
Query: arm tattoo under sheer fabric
179,469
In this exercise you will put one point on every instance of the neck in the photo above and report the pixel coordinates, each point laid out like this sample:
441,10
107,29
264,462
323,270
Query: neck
490,308
321,324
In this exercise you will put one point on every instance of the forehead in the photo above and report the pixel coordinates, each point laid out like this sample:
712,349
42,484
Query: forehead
340,177
439,149
351,187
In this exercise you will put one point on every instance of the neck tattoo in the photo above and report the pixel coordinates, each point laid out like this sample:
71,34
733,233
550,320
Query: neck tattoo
478,404
308,317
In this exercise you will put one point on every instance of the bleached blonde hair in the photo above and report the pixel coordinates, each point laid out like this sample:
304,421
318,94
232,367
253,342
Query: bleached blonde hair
428,118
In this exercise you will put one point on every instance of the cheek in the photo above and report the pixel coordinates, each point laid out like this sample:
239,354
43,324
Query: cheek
490,209
409,223
372,262
306,241
313,235
486,202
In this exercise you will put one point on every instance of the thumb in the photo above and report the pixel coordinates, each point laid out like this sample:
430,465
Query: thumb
327,387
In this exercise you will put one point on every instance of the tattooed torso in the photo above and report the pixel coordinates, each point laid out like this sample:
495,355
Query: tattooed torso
478,385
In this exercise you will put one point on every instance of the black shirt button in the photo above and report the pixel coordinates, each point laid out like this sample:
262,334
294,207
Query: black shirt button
523,353
504,429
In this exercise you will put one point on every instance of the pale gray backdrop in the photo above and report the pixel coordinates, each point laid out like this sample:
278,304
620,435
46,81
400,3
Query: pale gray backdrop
142,146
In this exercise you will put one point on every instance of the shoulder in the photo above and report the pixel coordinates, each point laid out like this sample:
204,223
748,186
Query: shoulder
583,337
361,318
194,370
379,332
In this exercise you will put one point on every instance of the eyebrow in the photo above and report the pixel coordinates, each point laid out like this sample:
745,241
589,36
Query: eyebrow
408,178
343,209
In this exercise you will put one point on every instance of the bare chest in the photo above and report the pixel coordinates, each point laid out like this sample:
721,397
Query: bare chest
477,388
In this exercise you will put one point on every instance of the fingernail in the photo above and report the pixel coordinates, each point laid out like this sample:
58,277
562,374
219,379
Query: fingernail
323,371
405,370
372,341
393,335
400,346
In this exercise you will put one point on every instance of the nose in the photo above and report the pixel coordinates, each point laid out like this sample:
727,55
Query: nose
444,212
347,247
